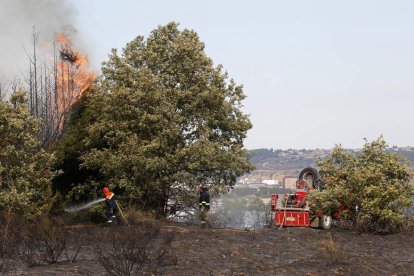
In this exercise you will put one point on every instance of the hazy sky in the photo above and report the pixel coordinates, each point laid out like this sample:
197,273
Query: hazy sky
316,73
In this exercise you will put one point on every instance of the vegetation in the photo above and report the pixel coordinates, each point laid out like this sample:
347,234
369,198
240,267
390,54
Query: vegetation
77,183
9,233
43,241
376,181
332,250
125,250
135,249
25,170
161,121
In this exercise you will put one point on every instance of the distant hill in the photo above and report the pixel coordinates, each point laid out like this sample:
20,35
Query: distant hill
269,159
292,159
407,154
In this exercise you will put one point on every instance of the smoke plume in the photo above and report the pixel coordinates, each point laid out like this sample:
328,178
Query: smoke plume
17,20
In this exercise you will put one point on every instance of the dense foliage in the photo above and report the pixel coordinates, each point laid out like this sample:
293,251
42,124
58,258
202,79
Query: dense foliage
25,174
77,183
375,180
162,121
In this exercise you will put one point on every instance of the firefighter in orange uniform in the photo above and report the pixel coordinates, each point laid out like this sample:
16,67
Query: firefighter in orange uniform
110,205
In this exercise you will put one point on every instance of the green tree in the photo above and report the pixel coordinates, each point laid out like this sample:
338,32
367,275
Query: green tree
25,174
376,180
169,121
77,183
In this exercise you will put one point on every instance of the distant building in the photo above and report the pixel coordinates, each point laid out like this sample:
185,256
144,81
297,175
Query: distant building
270,182
289,182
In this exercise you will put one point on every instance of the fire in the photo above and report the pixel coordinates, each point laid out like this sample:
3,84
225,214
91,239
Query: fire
71,74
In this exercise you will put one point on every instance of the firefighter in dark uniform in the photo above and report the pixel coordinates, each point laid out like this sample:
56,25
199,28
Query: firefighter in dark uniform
204,204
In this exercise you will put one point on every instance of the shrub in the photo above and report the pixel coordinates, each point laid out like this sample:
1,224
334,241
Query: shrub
376,180
44,241
75,242
9,240
127,250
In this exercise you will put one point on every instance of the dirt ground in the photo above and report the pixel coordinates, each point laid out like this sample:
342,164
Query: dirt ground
286,251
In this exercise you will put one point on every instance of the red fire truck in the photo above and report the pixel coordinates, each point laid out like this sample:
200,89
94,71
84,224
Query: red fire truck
292,209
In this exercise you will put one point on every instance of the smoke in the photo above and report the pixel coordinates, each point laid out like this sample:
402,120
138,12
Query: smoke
17,20
238,211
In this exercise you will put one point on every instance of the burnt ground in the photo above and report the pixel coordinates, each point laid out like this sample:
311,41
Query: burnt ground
286,251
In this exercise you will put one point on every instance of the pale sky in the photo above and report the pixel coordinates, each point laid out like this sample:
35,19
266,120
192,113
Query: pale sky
316,73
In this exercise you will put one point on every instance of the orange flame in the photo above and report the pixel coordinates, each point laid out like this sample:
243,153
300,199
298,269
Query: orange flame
79,73
72,74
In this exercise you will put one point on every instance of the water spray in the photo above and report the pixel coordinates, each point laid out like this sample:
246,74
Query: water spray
81,207
89,204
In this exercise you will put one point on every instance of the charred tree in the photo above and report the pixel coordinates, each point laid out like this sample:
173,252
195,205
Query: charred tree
54,86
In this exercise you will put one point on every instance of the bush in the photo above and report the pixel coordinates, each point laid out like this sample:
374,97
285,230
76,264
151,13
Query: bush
376,181
75,243
36,241
127,250
50,241
45,241
9,240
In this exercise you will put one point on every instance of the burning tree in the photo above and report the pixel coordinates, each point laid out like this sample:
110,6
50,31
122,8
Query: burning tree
71,75
54,86
162,121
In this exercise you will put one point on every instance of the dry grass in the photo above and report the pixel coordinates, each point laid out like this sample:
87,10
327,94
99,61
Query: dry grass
137,217
332,250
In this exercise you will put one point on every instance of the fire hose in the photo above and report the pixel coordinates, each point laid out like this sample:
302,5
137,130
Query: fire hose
120,211
284,212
